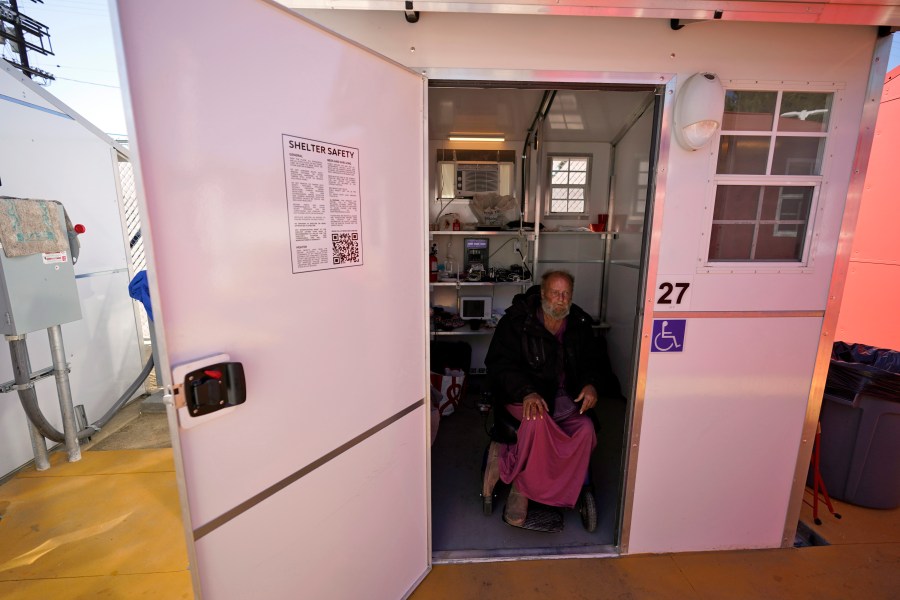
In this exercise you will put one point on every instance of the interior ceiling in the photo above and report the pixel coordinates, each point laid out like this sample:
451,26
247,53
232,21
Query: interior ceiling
576,115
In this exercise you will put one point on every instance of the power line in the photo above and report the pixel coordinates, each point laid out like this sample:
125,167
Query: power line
58,8
89,82
80,68
90,6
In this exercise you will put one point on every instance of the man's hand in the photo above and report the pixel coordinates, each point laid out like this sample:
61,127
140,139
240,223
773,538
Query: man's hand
533,407
587,397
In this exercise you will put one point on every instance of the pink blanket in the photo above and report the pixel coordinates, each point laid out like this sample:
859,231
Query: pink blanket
550,460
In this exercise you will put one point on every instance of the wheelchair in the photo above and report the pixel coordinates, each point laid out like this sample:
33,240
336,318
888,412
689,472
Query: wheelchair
503,430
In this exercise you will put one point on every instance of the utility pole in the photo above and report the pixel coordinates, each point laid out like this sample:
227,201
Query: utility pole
24,34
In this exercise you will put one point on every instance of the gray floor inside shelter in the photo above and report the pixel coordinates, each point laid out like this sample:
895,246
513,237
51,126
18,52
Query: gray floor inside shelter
459,528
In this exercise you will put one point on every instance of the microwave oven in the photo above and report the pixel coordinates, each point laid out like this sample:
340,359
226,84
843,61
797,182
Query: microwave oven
475,307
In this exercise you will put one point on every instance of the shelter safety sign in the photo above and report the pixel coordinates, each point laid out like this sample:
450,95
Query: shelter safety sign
322,185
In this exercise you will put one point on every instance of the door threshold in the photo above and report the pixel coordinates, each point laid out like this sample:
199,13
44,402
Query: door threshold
449,557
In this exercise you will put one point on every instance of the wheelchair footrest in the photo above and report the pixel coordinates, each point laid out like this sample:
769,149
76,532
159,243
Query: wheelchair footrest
539,518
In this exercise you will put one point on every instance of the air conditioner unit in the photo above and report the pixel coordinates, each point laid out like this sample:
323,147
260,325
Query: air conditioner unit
474,177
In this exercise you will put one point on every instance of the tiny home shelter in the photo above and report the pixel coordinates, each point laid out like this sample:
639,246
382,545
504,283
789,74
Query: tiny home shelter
49,152
290,204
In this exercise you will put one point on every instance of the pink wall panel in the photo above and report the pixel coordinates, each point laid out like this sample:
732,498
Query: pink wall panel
868,310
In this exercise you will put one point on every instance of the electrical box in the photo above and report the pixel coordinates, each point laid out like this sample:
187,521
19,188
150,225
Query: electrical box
38,291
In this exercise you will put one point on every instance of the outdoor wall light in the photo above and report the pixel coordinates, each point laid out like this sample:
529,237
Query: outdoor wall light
698,110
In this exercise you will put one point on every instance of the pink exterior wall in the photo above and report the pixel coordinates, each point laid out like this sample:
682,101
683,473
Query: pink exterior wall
869,311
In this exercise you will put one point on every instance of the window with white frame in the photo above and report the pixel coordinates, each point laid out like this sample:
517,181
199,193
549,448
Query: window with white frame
768,174
568,188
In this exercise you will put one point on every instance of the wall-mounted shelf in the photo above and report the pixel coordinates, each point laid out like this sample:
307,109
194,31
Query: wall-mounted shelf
598,234
594,254
631,264
479,233
462,283
573,262
464,331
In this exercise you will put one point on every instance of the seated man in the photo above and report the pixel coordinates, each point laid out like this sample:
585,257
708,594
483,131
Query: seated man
545,367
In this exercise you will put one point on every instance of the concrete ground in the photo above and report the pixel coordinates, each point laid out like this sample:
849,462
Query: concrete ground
143,430
140,425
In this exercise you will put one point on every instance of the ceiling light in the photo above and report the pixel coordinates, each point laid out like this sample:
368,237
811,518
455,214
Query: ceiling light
459,137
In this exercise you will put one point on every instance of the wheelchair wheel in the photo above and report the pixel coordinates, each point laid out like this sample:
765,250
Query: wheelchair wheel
588,510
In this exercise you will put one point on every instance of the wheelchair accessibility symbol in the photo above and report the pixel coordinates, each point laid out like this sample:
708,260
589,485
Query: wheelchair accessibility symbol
668,335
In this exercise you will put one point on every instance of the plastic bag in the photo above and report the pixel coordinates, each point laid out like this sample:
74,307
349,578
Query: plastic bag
450,385
859,368
492,209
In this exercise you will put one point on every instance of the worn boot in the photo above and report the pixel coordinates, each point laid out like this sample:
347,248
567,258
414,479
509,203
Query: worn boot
516,508
491,477
491,469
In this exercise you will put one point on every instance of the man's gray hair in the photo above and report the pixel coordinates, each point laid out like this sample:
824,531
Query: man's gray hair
546,277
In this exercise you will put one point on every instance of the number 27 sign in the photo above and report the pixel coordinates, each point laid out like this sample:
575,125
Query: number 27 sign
673,292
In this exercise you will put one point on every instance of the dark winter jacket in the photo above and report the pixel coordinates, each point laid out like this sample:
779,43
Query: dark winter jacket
524,357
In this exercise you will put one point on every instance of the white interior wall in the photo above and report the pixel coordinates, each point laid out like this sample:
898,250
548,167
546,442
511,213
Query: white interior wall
589,276
632,154
579,249
461,207
48,155
778,55
598,192
500,247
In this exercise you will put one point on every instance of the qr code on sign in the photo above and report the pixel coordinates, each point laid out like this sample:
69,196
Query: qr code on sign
345,247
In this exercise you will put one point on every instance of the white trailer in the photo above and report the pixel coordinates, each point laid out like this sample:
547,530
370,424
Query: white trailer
320,483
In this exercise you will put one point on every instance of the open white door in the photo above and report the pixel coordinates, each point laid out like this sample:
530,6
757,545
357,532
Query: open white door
258,134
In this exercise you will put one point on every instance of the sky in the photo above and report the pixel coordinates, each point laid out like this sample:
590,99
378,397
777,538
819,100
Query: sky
84,60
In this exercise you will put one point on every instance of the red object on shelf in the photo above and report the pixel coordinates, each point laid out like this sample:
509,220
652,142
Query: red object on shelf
433,265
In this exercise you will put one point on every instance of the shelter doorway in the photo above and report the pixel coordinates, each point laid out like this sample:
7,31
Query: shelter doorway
523,140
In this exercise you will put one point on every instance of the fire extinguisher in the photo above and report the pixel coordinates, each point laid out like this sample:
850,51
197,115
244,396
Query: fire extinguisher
433,264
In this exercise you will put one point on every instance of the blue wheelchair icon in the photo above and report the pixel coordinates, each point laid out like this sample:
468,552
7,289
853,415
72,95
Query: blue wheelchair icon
668,335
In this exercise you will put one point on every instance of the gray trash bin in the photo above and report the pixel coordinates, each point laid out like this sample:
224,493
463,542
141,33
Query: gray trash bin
860,417
860,450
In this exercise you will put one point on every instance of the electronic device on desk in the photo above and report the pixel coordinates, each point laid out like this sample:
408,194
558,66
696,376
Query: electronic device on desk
475,252
475,307
520,270
476,272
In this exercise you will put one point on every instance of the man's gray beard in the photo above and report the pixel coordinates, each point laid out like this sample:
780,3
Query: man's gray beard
558,315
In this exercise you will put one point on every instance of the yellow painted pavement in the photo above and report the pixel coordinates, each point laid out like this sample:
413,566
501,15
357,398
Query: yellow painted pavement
108,526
